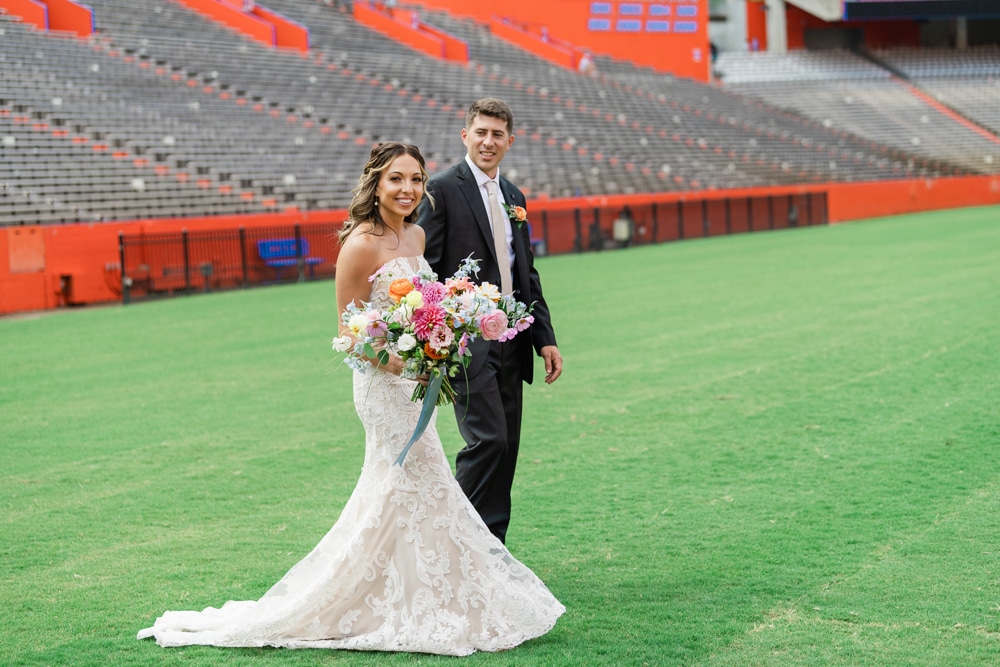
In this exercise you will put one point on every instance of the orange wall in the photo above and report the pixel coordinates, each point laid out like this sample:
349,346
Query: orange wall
857,201
481,11
845,201
235,18
554,53
399,25
678,53
29,11
757,25
287,33
454,48
71,17
566,20
34,258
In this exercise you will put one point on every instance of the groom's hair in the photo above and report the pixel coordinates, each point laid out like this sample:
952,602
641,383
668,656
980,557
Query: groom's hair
490,106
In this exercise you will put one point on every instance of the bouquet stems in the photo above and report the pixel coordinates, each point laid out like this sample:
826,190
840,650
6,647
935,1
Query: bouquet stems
445,397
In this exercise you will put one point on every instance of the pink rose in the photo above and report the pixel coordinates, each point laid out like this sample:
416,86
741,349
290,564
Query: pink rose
493,324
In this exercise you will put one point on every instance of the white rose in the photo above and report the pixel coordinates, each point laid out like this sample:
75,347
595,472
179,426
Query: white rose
342,343
406,342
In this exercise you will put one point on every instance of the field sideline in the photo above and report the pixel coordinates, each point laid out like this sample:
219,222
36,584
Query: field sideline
779,448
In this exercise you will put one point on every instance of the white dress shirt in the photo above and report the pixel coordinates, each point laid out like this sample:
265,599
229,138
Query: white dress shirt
481,179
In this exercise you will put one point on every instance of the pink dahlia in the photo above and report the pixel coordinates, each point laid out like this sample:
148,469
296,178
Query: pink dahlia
426,319
434,293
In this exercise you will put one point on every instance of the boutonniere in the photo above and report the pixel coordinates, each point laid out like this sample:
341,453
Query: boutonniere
517,214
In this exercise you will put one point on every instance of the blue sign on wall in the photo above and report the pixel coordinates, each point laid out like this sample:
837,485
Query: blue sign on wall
600,12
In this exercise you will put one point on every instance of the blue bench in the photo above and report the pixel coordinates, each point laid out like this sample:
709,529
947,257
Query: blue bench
279,254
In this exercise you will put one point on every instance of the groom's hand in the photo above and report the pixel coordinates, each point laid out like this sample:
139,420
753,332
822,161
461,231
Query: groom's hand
553,363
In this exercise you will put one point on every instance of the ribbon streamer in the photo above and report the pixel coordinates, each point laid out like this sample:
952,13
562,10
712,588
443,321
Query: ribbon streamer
430,402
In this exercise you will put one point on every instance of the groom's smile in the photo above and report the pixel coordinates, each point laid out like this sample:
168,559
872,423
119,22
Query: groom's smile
487,141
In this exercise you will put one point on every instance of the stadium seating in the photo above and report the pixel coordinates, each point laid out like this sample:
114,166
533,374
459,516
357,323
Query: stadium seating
847,92
165,113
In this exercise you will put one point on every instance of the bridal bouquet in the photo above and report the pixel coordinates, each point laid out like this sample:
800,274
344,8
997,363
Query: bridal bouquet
430,325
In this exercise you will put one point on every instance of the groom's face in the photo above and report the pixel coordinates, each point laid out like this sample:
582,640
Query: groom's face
487,141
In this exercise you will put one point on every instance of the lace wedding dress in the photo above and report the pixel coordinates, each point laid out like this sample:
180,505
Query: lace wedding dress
408,566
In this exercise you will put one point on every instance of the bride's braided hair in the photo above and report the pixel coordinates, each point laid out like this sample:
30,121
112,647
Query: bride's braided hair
364,204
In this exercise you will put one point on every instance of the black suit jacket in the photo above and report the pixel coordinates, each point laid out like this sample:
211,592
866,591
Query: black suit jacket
458,226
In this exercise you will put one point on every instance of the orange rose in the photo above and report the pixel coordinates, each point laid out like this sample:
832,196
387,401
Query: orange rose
399,288
520,215
432,353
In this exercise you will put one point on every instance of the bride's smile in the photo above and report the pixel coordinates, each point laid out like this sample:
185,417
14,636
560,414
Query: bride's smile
400,189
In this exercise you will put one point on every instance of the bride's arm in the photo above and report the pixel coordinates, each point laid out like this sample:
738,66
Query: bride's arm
357,261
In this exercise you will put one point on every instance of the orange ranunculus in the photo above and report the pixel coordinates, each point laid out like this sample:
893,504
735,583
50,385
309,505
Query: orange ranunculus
432,353
520,215
399,288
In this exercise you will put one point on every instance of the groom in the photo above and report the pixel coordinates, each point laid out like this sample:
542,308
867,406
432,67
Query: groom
462,222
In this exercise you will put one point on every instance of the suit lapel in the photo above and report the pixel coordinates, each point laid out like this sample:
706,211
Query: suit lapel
470,190
508,196
520,249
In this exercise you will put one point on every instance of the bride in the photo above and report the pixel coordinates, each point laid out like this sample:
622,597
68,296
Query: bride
409,565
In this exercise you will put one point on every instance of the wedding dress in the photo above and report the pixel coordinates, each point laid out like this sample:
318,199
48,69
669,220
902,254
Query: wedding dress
408,566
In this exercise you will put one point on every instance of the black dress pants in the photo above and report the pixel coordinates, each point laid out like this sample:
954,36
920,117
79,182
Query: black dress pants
488,409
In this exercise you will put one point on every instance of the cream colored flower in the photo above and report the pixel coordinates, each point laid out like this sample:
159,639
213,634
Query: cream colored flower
490,291
406,342
414,299
358,324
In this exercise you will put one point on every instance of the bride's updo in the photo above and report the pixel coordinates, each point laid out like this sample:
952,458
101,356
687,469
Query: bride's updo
364,205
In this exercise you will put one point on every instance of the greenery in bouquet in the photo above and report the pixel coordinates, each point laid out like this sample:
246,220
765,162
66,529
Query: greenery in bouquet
430,325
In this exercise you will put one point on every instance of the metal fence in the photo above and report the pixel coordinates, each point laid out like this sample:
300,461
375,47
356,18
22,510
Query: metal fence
564,230
188,262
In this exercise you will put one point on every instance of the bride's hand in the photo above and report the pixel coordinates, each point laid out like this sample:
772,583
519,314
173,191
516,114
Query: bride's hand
396,366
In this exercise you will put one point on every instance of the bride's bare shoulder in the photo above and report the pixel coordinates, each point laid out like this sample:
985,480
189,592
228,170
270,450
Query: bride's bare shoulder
360,251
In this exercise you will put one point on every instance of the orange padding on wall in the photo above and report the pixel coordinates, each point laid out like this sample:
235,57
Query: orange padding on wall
29,11
858,201
553,51
235,18
287,33
33,259
71,17
405,27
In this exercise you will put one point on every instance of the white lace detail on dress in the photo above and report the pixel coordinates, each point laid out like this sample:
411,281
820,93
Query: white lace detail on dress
408,566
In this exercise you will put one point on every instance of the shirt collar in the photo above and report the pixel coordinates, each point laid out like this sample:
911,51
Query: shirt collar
480,175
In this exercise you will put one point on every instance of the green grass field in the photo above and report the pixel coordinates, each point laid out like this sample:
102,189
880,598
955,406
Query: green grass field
771,449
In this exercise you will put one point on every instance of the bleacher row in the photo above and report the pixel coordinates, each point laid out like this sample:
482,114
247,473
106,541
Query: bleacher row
907,98
164,113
